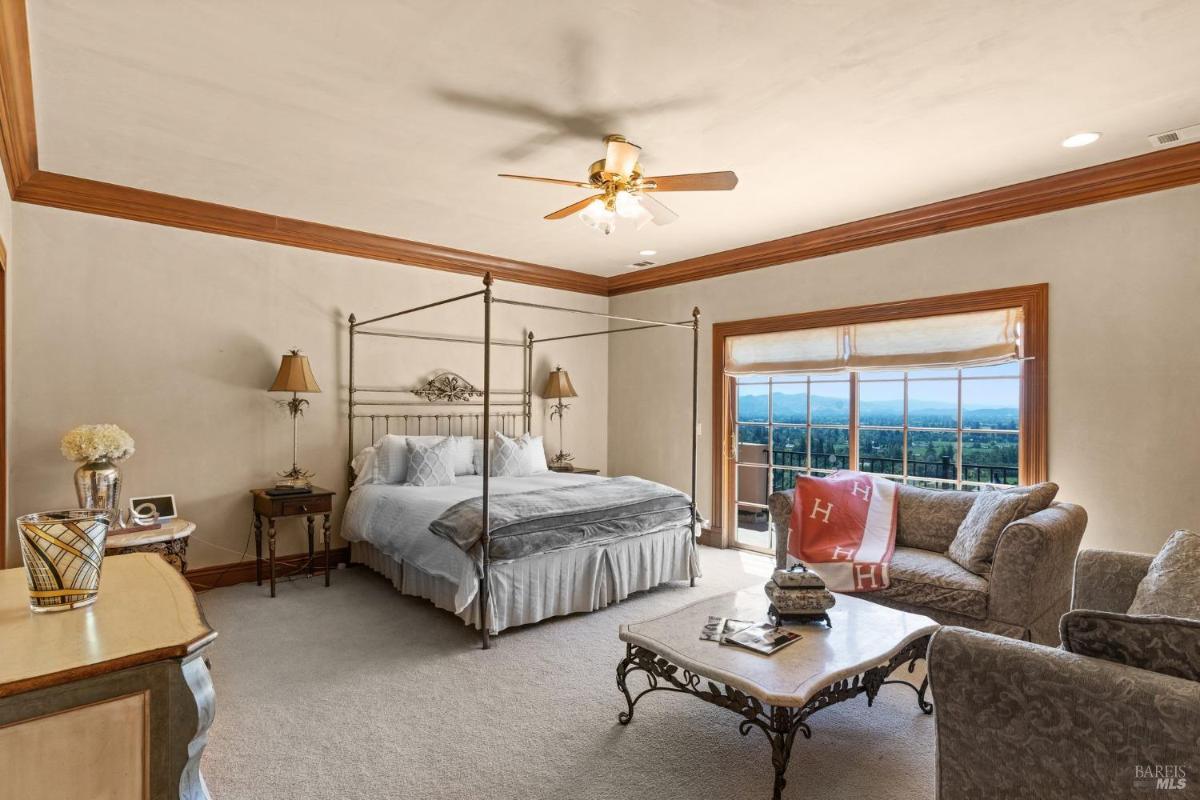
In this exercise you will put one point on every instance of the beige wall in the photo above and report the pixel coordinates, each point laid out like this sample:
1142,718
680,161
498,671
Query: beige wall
1124,349
175,335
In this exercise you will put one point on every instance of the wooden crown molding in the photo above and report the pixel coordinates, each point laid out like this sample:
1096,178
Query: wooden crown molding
1152,172
18,134
112,200
1163,169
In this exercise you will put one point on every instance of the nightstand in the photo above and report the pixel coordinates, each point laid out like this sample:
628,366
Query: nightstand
318,501
170,541
580,470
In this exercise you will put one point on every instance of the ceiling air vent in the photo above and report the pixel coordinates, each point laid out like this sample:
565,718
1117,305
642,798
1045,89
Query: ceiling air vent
640,264
1178,136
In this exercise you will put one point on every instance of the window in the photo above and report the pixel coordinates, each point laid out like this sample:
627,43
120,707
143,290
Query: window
937,428
937,425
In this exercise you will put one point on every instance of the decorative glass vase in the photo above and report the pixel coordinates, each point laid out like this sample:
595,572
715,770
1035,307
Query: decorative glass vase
63,552
98,485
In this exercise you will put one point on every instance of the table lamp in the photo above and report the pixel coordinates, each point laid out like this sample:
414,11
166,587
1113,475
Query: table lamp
558,387
295,376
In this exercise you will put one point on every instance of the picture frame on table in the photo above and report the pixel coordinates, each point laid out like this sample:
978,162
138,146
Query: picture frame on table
157,506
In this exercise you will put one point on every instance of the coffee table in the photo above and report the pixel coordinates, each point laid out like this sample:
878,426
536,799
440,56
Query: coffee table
778,693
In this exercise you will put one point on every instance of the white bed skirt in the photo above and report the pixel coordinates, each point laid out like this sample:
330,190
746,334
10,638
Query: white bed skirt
551,584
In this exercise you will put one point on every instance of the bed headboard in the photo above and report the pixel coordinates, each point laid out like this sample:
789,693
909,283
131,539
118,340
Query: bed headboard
441,406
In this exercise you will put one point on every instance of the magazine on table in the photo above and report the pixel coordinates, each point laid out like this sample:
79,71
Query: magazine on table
717,628
763,638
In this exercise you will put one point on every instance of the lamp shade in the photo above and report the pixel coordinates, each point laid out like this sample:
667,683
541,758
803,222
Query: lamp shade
295,375
558,385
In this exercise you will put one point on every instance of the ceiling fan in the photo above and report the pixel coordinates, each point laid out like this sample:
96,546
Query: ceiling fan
624,191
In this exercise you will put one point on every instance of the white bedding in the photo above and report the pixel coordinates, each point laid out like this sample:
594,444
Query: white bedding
395,519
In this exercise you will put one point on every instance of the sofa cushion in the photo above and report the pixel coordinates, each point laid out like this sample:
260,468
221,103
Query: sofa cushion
1167,645
918,577
1038,496
1172,584
977,537
929,518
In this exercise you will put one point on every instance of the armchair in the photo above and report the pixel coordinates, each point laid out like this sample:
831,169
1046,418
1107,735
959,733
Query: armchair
1016,719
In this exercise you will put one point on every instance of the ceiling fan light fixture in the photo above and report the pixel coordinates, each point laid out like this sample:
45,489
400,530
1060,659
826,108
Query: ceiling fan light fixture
626,205
598,215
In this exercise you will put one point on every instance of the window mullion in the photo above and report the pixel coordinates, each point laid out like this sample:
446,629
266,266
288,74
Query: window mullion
852,460
904,437
958,473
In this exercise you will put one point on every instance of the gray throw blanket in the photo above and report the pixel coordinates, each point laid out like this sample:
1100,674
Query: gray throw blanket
526,523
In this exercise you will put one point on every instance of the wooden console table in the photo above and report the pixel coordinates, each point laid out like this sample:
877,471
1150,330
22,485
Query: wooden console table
112,700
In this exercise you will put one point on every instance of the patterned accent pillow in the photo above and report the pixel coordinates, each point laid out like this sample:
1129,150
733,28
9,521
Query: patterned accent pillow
510,457
1038,496
977,537
431,464
1172,584
1165,645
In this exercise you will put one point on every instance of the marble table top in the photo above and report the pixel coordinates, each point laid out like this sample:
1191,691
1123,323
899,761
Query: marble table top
171,529
864,635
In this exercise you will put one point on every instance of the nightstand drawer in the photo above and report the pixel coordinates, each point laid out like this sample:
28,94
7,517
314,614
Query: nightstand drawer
304,505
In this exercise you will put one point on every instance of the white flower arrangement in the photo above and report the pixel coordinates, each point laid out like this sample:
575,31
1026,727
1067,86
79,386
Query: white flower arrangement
97,443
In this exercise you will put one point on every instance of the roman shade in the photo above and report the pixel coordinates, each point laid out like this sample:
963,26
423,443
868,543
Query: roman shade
977,338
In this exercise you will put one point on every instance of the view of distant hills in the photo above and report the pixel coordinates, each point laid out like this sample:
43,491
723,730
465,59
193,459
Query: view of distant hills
791,407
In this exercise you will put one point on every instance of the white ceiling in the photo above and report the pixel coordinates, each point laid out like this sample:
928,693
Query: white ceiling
394,116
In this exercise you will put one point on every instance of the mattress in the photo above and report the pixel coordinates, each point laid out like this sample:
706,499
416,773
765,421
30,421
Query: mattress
395,520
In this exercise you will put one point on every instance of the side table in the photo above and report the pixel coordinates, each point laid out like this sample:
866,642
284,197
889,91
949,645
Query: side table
318,501
580,470
170,541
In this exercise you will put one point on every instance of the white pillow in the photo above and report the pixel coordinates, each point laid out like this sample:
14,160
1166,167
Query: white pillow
431,464
391,459
537,455
464,455
364,468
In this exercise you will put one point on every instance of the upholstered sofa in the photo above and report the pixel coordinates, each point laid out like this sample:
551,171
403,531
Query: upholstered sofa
1016,719
1023,593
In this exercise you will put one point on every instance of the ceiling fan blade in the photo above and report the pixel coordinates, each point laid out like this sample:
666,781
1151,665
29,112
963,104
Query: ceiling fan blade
621,158
693,182
559,181
660,214
574,207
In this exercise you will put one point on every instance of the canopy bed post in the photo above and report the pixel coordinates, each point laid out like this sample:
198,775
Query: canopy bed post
350,416
529,383
486,539
695,436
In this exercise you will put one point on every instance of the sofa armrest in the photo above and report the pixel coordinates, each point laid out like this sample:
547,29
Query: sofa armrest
1016,719
1031,570
779,512
1107,580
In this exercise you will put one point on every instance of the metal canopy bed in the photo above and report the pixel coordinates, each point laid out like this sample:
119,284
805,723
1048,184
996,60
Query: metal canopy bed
438,404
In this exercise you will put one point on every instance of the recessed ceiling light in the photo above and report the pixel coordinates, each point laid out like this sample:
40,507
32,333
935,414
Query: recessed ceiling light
1080,139
647,252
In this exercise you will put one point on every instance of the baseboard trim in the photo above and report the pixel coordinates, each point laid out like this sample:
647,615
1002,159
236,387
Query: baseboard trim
214,577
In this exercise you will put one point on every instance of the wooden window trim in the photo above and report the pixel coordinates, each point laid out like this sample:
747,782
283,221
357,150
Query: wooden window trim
1032,299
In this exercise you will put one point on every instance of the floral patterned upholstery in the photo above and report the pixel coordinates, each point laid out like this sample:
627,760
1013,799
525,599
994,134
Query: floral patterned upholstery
1016,719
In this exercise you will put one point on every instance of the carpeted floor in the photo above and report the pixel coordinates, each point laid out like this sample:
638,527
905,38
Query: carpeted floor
358,692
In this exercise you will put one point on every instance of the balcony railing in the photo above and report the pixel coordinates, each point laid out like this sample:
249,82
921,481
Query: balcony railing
939,470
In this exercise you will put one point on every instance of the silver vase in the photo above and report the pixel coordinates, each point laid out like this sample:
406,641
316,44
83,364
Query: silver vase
98,486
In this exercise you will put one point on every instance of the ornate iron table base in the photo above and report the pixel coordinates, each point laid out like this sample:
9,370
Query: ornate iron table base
780,724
